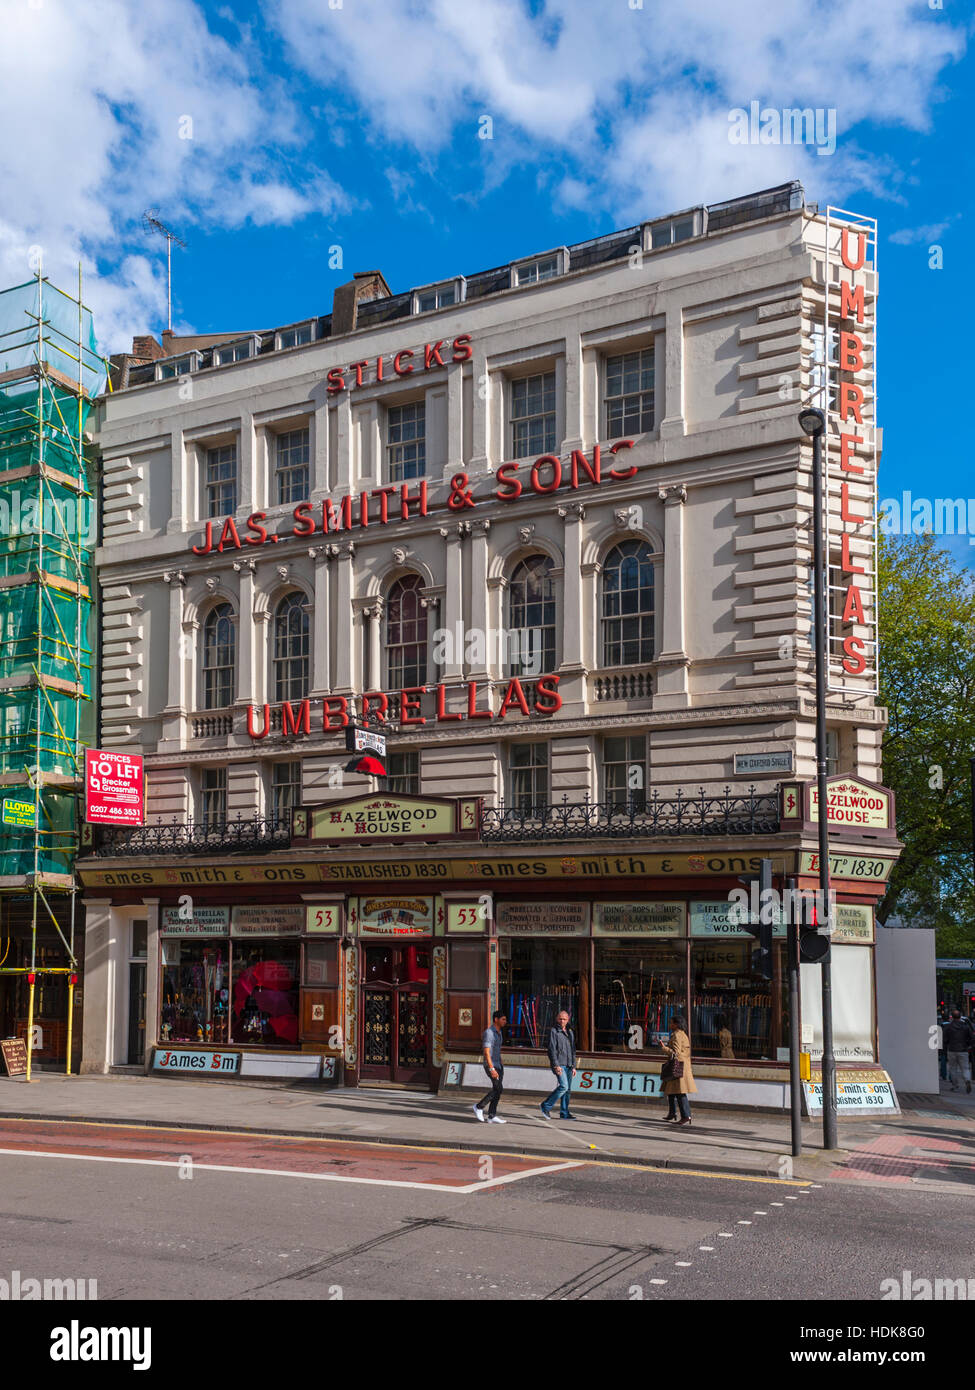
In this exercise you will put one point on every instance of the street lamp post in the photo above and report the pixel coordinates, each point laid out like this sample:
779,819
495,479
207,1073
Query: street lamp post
813,423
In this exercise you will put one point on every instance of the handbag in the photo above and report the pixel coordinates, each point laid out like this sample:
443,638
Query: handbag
672,1070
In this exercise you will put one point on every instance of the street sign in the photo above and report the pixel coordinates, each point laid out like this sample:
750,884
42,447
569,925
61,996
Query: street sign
953,964
759,763
20,813
358,740
114,788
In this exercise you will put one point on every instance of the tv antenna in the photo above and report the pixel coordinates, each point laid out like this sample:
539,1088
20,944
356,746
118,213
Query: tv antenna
152,224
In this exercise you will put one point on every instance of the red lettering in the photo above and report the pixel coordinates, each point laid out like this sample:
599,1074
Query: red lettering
848,443
852,607
442,715
330,521
855,663
851,301
548,685
205,549
327,712
431,354
846,562
463,351
851,399
398,368
406,498
845,249
336,381
405,703
367,701
379,368
363,509
250,722
253,524
845,512
290,724
302,514
579,460
357,368
473,713
383,493
556,473
346,509
514,694
622,474
851,353
229,533
504,477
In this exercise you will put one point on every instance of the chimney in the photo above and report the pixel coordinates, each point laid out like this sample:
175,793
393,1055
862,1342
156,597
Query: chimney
364,286
146,349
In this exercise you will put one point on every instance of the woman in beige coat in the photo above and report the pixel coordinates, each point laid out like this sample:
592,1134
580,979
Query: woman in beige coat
678,1049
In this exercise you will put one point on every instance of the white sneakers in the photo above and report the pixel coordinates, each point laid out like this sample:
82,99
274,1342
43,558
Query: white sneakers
496,1120
479,1113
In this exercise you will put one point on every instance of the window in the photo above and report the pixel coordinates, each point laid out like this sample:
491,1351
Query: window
296,336
439,296
285,791
674,229
406,634
537,979
213,785
264,997
533,416
177,366
467,965
629,393
732,1014
195,991
291,465
637,985
220,481
291,644
406,446
403,773
531,618
528,776
234,352
627,606
832,752
219,657
544,268
625,771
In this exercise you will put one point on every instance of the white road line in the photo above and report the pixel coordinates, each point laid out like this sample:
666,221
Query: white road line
657,1281
464,1191
705,1247
775,1204
727,1235
744,1223
792,1199
759,1213
684,1264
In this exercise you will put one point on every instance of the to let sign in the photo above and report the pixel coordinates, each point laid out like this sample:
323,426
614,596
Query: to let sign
114,788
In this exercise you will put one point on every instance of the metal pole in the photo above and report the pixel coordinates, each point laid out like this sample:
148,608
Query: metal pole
169,279
795,1097
823,915
973,819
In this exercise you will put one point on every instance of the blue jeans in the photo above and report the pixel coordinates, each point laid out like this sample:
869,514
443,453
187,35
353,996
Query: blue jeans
676,1102
561,1093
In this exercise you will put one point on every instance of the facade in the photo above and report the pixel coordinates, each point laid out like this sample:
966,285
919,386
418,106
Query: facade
548,528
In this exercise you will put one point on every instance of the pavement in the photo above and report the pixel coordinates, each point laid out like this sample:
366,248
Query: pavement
931,1145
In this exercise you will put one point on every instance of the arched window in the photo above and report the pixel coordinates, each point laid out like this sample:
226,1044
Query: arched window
290,659
627,607
406,634
219,657
531,618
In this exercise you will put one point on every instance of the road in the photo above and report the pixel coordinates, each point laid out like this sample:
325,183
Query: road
159,1214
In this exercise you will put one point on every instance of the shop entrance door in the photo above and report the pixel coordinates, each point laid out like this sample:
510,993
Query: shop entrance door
396,1012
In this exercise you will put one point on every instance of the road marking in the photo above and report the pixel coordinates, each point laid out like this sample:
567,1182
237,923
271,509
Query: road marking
775,1204
759,1213
728,1235
744,1223
792,1199
657,1281
464,1191
684,1264
705,1247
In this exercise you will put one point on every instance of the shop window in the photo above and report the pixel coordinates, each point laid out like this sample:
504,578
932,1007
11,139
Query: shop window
321,964
264,997
406,634
528,776
531,618
625,772
629,393
195,991
733,1014
403,774
628,605
291,647
291,465
220,480
219,657
638,988
533,416
467,967
537,979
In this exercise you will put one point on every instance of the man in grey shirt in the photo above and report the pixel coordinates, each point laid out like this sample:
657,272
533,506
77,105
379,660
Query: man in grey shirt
491,1043
562,1056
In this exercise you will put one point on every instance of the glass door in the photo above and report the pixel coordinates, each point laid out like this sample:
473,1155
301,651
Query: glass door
396,1013
137,1014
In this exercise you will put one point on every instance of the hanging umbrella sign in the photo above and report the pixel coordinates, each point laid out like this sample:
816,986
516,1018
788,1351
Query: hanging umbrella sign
359,740
114,788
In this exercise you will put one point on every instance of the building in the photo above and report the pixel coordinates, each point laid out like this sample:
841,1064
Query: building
548,527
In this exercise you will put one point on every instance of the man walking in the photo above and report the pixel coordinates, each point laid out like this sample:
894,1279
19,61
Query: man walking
491,1043
958,1039
562,1056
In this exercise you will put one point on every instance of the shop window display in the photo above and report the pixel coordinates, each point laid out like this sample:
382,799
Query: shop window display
265,992
638,988
195,992
537,979
733,1012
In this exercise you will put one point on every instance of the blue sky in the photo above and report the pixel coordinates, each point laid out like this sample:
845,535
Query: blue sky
268,133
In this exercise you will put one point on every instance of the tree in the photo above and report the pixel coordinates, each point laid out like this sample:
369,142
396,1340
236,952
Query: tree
927,682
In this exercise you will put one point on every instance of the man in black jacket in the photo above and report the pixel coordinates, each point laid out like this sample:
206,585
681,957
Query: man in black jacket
958,1039
562,1056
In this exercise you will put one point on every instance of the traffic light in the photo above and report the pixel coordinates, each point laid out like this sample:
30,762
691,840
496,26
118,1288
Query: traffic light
813,944
760,926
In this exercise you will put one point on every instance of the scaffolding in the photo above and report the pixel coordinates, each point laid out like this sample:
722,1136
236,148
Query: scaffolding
50,375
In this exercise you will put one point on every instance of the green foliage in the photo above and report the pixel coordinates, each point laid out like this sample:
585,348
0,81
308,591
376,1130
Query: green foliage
927,682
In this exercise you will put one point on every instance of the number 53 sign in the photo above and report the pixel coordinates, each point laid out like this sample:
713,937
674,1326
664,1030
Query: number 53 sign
321,918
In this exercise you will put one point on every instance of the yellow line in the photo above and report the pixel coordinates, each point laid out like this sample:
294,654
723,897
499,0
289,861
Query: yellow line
418,1148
